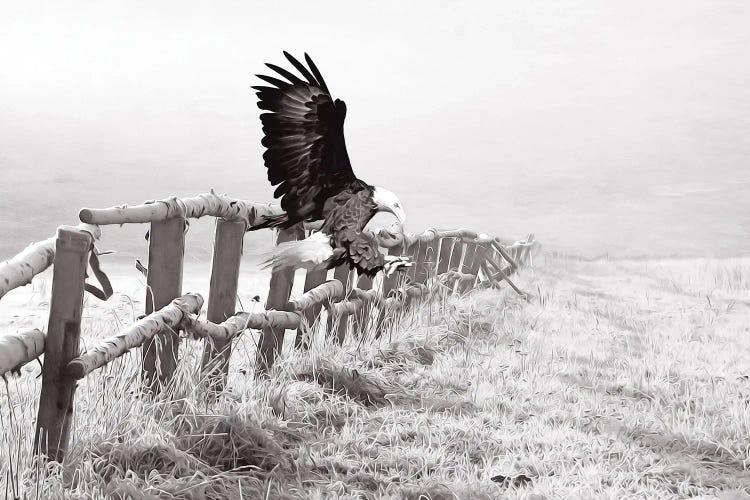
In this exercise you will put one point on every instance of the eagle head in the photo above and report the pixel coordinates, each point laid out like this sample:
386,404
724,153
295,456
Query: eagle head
387,201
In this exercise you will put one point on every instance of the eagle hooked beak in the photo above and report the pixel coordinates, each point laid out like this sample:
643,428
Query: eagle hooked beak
387,201
399,213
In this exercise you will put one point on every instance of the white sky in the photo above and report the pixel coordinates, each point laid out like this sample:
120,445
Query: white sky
601,126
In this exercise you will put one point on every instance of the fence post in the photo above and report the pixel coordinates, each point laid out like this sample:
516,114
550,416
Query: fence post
345,276
455,261
166,249
362,317
414,251
62,344
427,260
313,278
467,264
390,283
280,288
446,246
517,254
473,267
222,297
524,251
417,252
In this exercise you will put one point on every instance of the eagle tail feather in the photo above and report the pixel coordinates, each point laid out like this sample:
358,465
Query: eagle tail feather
312,252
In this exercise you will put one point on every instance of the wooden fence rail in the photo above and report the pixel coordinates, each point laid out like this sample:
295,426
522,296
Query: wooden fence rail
205,204
136,335
35,259
457,259
19,349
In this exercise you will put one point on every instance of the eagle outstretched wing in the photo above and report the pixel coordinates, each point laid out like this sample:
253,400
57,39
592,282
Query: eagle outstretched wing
304,135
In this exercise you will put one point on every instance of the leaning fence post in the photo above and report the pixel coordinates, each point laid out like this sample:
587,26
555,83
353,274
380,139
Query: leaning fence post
280,288
166,249
222,297
62,344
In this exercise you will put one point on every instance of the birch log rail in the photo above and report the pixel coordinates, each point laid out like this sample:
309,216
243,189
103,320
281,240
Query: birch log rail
134,336
19,349
288,320
35,259
240,322
205,204
444,260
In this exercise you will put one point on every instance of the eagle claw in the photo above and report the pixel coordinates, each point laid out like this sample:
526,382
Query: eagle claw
396,263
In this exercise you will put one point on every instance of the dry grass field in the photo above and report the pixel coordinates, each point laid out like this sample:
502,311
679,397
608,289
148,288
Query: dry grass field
618,379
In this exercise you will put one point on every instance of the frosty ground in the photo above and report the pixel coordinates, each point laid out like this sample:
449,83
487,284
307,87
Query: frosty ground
616,379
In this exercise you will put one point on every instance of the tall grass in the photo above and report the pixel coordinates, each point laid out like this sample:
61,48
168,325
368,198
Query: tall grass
616,380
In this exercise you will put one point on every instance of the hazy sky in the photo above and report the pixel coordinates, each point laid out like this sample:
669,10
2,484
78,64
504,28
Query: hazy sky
619,127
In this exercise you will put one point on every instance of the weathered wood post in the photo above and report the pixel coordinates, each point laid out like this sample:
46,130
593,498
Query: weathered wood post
166,249
455,261
222,297
345,276
516,253
524,251
416,253
62,345
427,258
527,257
454,264
362,317
390,283
446,246
313,278
473,267
470,250
280,288
504,255
466,266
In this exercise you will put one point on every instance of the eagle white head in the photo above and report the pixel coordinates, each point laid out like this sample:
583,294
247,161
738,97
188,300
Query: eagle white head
387,201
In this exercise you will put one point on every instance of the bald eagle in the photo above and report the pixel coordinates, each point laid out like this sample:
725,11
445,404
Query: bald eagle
308,163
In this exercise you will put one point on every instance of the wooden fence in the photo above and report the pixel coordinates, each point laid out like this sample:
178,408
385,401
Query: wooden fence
454,261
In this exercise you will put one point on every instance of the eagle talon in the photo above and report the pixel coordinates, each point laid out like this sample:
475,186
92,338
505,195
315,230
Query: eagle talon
396,263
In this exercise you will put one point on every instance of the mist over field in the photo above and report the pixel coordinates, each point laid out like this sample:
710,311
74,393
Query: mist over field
620,128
